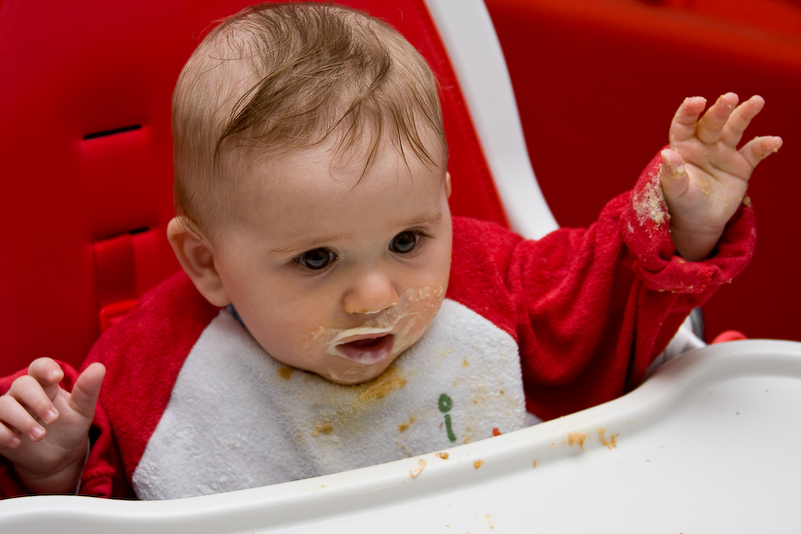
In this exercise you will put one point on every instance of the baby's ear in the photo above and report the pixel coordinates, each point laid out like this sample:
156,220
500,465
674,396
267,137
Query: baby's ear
196,256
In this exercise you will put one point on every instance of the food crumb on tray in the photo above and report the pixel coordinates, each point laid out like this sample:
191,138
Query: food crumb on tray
421,465
576,438
610,443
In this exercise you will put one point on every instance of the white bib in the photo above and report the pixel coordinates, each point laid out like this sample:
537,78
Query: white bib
239,419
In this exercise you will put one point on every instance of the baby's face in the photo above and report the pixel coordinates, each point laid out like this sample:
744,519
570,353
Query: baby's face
334,272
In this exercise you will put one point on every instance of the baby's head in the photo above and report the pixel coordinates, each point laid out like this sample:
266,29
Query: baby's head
311,186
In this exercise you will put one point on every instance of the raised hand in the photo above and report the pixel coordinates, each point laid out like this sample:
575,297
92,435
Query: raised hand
704,175
44,429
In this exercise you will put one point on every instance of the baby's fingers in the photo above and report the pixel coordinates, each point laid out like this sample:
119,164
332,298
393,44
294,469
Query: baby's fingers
87,390
673,175
46,371
686,119
711,126
739,120
16,419
30,393
760,148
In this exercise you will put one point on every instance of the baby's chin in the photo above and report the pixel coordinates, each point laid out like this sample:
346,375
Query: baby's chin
357,374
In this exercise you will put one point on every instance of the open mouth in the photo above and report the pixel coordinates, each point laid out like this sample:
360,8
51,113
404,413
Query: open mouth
367,350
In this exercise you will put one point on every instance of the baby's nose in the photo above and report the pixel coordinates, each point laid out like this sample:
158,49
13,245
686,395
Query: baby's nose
371,293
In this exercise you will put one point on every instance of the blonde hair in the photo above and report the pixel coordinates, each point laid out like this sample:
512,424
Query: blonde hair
277,77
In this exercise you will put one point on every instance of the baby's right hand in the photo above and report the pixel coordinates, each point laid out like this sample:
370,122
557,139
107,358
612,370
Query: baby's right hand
48,457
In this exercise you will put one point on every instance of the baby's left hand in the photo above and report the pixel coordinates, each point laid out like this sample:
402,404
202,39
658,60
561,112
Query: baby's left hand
704,176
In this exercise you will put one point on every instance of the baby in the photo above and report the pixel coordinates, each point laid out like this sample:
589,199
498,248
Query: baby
331,314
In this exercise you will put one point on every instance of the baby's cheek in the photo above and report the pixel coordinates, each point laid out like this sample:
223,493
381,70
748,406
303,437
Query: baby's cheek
296,333
420,307
322,336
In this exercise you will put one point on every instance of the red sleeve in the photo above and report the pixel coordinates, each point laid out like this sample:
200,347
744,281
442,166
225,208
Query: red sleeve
591,308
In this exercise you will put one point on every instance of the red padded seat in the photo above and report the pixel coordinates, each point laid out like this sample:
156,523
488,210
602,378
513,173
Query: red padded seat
86,166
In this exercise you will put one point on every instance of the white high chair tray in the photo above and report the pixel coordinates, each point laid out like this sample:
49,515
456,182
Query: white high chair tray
708,444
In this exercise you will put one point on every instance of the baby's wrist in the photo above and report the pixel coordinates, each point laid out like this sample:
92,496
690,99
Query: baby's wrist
694,245
63,480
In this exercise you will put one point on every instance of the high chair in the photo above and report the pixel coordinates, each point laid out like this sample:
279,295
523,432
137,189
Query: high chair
711,430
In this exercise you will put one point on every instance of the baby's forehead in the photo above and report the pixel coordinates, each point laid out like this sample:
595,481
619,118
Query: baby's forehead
335,158
315,190
308,195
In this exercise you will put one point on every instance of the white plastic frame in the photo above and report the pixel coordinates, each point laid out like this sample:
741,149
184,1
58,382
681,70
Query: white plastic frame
707,444
475,53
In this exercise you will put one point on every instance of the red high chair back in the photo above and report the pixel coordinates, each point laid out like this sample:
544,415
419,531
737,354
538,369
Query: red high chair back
86,166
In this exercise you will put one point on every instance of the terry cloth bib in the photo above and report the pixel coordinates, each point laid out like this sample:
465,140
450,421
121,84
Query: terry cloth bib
239,419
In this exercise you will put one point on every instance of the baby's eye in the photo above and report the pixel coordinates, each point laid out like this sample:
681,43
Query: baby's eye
404,242
317,259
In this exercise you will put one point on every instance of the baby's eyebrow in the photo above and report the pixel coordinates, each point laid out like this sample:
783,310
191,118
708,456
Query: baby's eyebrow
428,218
303,246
